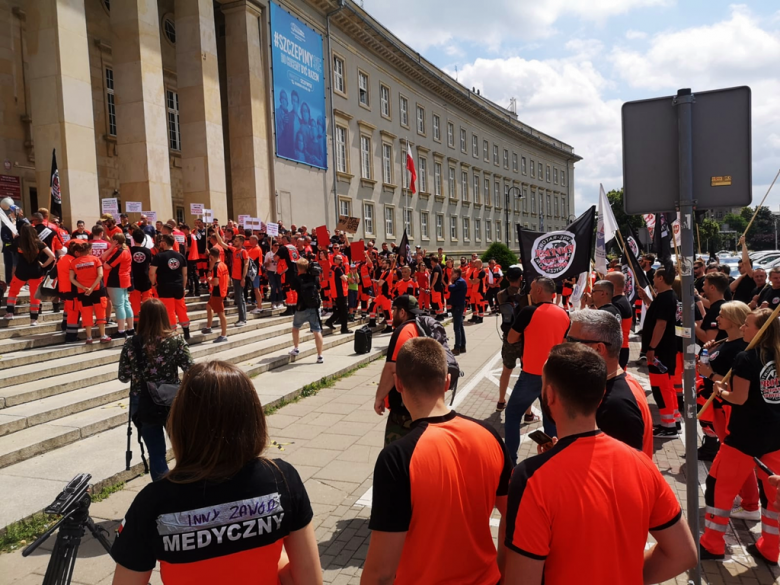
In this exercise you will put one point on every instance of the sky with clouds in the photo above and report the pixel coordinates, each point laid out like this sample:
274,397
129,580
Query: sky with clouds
571,64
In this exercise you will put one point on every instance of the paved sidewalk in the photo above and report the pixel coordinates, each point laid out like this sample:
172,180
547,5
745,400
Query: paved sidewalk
333,440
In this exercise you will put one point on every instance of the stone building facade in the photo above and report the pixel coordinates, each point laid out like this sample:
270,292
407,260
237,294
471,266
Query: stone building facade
170,102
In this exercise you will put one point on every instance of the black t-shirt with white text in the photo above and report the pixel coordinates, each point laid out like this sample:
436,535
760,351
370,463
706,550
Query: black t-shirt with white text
721,358
710,320
663,308
619,415
753,426
170,280
771,296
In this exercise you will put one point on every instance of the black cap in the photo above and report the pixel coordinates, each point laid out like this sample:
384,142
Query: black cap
407,303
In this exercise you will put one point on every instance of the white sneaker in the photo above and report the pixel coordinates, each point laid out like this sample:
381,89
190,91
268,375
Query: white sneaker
33,323
742,514
240,323
256,311
320,359
294,351
8,316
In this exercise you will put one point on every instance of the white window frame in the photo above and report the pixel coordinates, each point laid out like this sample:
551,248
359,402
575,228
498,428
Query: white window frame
540,171
387,163
174,127
368,217
389,221
450,134
533,202
422,174
452,190
453,228
424,216
466,229
514,162
345,207
555,176
488,231
476,189
497,194
437,178
408,219
464,185
463,143
474,146
486,190
366,158
547,174
524,166
495,155
525,199
486,151
498,230
533,169
342,153
364,89
110,102
477,229
384,100
420,120
563,178
403,107
436,126
506,159
440,227
339,75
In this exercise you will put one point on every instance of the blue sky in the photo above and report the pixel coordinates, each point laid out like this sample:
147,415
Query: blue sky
572,63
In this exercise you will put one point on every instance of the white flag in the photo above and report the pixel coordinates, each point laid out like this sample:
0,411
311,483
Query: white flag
605,231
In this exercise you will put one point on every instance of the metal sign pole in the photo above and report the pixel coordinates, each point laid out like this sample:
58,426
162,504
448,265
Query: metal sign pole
684,102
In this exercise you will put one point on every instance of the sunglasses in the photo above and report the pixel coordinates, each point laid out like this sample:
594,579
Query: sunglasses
586,341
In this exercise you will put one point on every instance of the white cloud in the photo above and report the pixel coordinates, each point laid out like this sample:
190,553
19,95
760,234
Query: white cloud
635,34
435,23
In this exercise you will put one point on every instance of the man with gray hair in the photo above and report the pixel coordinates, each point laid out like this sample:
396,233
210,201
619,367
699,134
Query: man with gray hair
618,280
601,298
623,413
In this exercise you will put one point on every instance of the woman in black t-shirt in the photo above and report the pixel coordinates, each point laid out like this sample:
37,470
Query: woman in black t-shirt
754,393
224,513
33,259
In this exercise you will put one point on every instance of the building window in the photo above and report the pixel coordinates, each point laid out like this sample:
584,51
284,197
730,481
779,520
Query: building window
180,214
454,228
338,75
506,158
408,222
110,104
514,162
436,122
497,195
564,215
387,163
450,134
555,176
563,177
488,230
365,157
368,217
422,175
523,166
404,109
174,132
556,206
487,191
384,100
533,169
547,176
169,28
451,183
476,189
525,199
466,229
345,207
540,173
549,206
463,146
498,230
437,179
389,222
424,224
464,185
474,146
478,230
485,151
420,120
439,227
533,202
495,154
341,149
363,88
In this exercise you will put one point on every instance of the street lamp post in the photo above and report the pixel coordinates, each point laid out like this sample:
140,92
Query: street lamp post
506,210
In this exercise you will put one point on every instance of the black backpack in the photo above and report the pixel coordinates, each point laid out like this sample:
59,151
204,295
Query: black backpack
309,291
430,327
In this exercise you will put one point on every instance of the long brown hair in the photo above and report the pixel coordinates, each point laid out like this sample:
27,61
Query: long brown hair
216,424
28,242
769,346
153,321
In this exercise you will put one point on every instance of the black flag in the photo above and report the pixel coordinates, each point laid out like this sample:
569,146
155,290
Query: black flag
662,240
55,207
560,254
635,276
632,240
404,251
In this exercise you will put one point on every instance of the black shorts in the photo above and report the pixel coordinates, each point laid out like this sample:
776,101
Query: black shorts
93,299
67,296
170,291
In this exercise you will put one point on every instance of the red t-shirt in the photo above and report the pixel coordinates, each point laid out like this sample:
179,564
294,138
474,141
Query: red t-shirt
543,326
86,269
240,256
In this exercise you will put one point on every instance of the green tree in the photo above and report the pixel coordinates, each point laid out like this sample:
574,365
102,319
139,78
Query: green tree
709,238
761,235
736,222
501,254
621,217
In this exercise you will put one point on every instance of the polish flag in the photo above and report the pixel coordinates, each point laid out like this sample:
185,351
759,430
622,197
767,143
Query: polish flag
411,169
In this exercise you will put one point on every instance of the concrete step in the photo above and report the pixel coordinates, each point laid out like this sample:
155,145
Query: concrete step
40,426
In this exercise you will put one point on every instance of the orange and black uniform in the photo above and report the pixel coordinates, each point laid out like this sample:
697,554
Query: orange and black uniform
68,295
86,270
752,432
170,285
641,400
663,308
29,273
571,490
142,286
424,289
438,289
405,287
288,273
366,290
220,292
382,300
439,484
227,532
399,420
626,320
621,416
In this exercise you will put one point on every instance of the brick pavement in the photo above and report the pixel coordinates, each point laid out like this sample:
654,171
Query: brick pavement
333,440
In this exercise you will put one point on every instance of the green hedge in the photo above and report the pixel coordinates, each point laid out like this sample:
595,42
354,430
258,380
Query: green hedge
501,254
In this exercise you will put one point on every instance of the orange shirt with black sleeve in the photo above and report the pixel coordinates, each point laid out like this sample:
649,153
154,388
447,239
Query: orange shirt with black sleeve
573,490
220,271
86,269
405,287
641,401
400,336
439,484
543,326
240,256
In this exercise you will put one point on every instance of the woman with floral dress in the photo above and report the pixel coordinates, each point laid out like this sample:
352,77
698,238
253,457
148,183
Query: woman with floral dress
164,353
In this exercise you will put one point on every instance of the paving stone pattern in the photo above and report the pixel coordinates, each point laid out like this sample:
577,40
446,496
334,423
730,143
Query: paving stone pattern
333,440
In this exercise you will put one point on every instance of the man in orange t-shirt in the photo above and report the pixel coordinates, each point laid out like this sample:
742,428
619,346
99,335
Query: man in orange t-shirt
436,488
570,517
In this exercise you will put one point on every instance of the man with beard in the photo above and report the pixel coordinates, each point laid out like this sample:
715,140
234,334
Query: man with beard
759,276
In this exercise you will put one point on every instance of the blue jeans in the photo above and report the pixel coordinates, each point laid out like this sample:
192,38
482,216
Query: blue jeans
275,282
457,325
121,301
526,391
238,297
154,439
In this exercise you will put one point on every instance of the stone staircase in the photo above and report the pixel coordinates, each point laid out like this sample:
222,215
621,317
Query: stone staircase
61,405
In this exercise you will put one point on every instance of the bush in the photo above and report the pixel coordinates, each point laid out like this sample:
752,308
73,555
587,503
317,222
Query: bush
501,254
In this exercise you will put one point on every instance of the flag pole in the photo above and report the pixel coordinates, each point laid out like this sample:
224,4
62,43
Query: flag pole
760,205
406,191
631,264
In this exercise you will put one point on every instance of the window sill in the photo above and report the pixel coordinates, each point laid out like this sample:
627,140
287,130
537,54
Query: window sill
454,240
488,206
453,201
424,195
439,198
389,188
341,93
438,239
477,205
344,177
367,183
423,134
425,239
405,126
364,106
386,117
466,203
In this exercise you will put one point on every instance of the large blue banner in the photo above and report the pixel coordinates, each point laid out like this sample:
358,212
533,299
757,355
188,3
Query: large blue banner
298,89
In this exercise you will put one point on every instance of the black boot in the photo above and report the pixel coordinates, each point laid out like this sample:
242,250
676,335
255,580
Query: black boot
55,307
372,323
709,448
288,312
186,333
64,325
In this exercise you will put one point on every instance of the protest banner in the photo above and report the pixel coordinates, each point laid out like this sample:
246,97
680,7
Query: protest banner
134,207
272,229
150,215
196,208
358,251
323,238
109,205
348,224
243,221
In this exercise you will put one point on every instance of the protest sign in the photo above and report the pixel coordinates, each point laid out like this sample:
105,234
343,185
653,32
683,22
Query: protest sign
150,215
243,220
196,208
133,206
358,251
272,229
323,239
348,224
109,205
